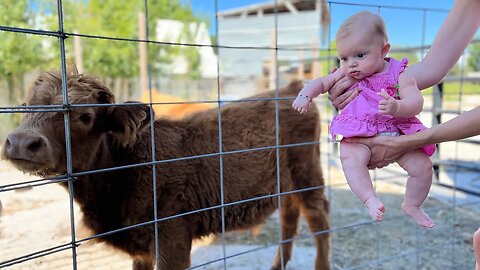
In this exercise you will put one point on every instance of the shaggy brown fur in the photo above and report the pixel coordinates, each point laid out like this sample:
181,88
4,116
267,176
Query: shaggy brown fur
104,137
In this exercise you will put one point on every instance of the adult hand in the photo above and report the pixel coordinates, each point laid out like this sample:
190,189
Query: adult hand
384,149
338,94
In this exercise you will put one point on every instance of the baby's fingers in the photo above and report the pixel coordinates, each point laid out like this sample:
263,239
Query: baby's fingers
305,108
384,94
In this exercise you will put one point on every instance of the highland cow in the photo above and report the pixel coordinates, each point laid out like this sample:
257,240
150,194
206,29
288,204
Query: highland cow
119,135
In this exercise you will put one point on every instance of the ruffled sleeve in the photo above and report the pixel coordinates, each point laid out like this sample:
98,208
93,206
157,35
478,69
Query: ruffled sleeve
398,66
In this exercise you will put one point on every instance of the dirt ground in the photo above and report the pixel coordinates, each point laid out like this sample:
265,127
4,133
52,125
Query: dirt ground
38,219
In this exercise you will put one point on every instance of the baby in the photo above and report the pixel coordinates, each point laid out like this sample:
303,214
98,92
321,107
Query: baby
386,106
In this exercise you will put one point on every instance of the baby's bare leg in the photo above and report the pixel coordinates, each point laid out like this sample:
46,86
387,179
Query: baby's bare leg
355,158
476,248
419,168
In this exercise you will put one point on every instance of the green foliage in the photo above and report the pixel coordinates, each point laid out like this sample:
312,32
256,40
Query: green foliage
105,18
329,58
473,60
119,19
410,55
168,9
19,53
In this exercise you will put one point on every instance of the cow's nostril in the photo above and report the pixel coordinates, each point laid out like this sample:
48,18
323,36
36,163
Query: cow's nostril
7,145
35,145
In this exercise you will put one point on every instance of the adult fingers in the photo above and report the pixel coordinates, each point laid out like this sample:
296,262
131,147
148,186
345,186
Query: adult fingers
377,159
347,97
383,102
339,88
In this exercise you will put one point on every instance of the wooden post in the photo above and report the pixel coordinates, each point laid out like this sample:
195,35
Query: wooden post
78,52
301,65
273,64
316,63
142,46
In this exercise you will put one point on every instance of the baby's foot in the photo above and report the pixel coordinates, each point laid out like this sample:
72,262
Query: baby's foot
375,208
420,217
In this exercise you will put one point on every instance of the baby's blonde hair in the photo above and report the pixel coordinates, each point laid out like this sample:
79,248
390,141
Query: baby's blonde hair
366,20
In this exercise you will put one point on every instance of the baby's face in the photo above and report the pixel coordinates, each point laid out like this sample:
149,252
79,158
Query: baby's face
360,55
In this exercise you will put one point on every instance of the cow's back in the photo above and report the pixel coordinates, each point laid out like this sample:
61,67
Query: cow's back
249,160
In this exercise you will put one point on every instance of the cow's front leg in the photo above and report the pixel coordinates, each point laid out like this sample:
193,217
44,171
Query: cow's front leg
142,264
174,245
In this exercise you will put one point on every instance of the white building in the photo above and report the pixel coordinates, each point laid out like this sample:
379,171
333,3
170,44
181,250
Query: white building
298,26
175,31
252,29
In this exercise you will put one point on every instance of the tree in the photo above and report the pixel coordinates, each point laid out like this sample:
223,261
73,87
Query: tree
19,53
473,60
112,18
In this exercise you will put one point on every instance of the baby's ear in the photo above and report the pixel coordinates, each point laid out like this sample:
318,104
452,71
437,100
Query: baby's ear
385,49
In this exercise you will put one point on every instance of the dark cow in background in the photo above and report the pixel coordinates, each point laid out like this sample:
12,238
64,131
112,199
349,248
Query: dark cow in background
112,136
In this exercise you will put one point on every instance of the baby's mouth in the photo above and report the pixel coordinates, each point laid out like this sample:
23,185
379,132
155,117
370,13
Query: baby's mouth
354,73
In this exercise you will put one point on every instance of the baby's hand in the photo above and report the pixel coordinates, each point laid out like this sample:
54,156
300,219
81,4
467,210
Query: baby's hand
388,105
301,104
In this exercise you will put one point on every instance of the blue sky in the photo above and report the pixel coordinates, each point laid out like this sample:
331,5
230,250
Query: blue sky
404,26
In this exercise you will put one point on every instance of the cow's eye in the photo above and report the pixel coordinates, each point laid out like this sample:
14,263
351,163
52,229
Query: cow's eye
86,118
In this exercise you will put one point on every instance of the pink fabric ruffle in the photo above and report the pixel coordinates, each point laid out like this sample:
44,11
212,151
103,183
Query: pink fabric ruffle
361,118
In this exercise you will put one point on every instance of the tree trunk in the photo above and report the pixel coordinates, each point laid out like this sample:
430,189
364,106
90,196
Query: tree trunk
11,90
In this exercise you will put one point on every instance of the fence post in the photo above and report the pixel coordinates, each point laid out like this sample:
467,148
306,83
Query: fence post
301,65
78,52
272,78
437,107
142,47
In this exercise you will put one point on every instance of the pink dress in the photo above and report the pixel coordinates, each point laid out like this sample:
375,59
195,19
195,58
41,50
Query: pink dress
361,118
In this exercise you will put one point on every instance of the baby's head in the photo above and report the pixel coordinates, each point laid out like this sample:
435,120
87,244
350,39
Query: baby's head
362,44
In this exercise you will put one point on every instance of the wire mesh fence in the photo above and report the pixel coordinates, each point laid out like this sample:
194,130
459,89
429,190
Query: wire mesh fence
355,241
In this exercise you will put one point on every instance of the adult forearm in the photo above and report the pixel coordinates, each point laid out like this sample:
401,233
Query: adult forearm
453,37
463,126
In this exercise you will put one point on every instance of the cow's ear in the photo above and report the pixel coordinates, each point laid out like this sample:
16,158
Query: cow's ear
127,122
103,96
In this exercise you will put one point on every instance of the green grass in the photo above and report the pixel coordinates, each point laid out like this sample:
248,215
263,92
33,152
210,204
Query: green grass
452,89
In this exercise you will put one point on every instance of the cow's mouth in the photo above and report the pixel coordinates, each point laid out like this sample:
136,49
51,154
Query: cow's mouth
31,167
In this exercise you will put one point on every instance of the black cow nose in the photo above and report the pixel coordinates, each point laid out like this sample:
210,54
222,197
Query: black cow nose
7,145
23,145
35,144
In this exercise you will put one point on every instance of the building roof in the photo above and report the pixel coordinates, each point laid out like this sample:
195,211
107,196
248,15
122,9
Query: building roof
292,6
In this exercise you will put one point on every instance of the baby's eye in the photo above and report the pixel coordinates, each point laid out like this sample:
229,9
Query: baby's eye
360,55
343,59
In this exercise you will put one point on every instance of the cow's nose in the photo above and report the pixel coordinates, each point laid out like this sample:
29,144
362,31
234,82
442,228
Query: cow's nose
23,145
